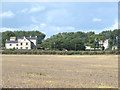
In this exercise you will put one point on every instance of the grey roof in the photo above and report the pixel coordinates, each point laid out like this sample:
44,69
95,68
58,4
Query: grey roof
11,41
29,38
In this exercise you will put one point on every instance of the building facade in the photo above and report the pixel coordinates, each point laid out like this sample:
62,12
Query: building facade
105,44
89,48
114,47
21,43
102,43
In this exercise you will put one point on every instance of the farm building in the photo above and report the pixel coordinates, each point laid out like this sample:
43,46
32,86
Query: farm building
105,44
114,47
89,48
21,43
102,43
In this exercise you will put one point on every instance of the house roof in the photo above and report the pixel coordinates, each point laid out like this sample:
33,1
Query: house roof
11,41
16,41
29,38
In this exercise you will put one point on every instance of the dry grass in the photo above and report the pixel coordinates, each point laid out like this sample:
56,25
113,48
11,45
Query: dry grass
56,71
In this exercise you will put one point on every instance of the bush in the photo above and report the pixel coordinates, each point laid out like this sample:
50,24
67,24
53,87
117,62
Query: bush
60,52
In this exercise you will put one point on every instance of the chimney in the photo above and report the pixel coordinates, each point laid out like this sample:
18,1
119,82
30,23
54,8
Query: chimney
12,38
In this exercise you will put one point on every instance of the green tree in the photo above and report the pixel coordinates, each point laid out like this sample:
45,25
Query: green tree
19,34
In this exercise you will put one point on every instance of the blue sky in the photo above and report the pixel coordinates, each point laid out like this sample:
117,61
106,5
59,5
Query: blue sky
54,17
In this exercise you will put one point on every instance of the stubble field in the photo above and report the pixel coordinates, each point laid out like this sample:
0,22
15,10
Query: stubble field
59,71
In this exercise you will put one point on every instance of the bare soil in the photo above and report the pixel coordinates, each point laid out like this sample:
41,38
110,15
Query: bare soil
59,71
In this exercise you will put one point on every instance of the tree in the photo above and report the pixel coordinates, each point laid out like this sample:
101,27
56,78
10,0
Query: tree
19,34
6,35
95,39
69,41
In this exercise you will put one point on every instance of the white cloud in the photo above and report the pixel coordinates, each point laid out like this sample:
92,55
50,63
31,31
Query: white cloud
24,10
33,9
61,29
7,14
48,28
27,28
3,29
114,26
34,20
42,25
37,8
31,27
44,28
57,15
97,19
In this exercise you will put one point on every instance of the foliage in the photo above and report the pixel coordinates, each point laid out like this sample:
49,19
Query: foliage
19,34
112,35
38,52
94,40
74,41
70,41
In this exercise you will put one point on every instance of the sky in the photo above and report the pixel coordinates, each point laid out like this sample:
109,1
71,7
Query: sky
55,17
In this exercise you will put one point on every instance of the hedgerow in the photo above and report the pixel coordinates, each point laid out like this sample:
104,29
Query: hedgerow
39,52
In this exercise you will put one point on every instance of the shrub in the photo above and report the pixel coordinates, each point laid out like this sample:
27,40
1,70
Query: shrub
60,52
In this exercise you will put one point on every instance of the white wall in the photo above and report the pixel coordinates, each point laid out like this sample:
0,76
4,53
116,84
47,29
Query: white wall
34,41
24,41
106,44
114,48
23,46
89,48
13,45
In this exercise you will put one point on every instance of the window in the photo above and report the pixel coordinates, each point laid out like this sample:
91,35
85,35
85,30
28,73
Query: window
17,48
10,44
21,47
26,43
26,47
21,43
16,44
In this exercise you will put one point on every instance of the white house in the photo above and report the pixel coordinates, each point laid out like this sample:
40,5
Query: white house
105,43
114,47
89,48
21,43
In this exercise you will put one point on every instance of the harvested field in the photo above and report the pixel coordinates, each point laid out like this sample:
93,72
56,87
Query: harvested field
59,71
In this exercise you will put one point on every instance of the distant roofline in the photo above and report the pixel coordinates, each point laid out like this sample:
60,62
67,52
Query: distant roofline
16,41
11,41
29,38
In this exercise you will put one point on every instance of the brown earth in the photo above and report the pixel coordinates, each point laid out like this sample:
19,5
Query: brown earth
59,71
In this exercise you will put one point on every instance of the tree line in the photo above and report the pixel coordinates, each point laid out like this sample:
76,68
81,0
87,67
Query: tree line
19,34
78,40
67,40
